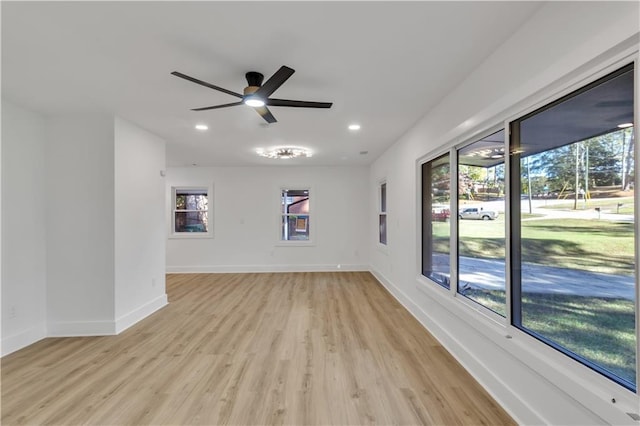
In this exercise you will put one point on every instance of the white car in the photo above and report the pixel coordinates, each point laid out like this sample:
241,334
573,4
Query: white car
477,213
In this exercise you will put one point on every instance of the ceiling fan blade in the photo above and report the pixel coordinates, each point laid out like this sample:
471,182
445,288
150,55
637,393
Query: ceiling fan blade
266,114
205,84
298,104
274,82
217,106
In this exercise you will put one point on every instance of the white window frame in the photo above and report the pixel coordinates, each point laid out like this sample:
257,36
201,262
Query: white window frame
281,214
210,210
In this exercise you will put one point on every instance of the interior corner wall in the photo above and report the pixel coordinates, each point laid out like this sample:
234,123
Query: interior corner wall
140,233
562,39
80,225
247,222
23,228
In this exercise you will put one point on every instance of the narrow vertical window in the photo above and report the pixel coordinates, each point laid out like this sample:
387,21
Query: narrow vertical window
573,229
294,204
382,214
436,210
481,226
191,211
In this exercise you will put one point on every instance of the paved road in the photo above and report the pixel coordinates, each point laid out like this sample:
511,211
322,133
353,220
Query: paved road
490,274
482,273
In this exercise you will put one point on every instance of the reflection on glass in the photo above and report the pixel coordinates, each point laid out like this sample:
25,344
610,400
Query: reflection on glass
191,200
191,221
574,270
481,227
436,210
295,228
383,228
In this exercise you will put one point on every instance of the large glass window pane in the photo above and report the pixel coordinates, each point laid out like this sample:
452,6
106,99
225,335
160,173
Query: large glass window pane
295,215
572,198
481,227
436,208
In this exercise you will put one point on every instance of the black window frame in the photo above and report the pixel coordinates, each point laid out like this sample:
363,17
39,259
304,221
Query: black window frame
515,235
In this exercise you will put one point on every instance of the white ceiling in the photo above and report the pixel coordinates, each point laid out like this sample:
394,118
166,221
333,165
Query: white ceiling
383,65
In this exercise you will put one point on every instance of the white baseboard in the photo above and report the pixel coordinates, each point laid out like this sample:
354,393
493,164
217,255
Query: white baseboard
264,268
81,328
105,328
23,339
127,320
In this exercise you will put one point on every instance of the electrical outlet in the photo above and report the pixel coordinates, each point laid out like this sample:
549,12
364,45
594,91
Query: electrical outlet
153,282
12,311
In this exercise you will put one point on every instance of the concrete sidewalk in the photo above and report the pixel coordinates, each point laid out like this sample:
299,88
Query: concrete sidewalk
490,274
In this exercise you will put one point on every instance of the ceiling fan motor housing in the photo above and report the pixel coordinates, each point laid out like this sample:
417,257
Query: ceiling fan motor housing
254,78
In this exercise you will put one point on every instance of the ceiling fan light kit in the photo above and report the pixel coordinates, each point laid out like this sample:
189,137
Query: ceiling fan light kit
256,94
254,102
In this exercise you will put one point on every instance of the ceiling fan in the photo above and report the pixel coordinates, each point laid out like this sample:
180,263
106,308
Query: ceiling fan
256,94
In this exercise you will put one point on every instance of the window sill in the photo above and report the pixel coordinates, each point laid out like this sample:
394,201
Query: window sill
295,244
190,236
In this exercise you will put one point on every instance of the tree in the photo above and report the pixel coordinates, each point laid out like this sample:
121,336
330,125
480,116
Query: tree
604,160
627,158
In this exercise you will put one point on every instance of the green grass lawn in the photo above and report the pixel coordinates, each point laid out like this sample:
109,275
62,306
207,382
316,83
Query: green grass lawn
609,205
601,330
590,245
585,244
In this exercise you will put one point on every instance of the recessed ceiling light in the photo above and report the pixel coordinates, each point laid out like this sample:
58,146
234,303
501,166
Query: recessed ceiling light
625,125
354,127
202,127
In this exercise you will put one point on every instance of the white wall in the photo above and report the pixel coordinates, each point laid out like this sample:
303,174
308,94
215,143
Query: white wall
563,43
23,228
140,233
246,220
80,225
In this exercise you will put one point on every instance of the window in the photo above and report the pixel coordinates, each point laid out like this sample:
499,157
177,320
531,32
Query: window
436,210
294,207
481,245
573,226
382,214
191,212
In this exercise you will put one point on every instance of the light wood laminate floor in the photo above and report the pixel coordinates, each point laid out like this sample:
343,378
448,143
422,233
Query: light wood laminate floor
252,349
